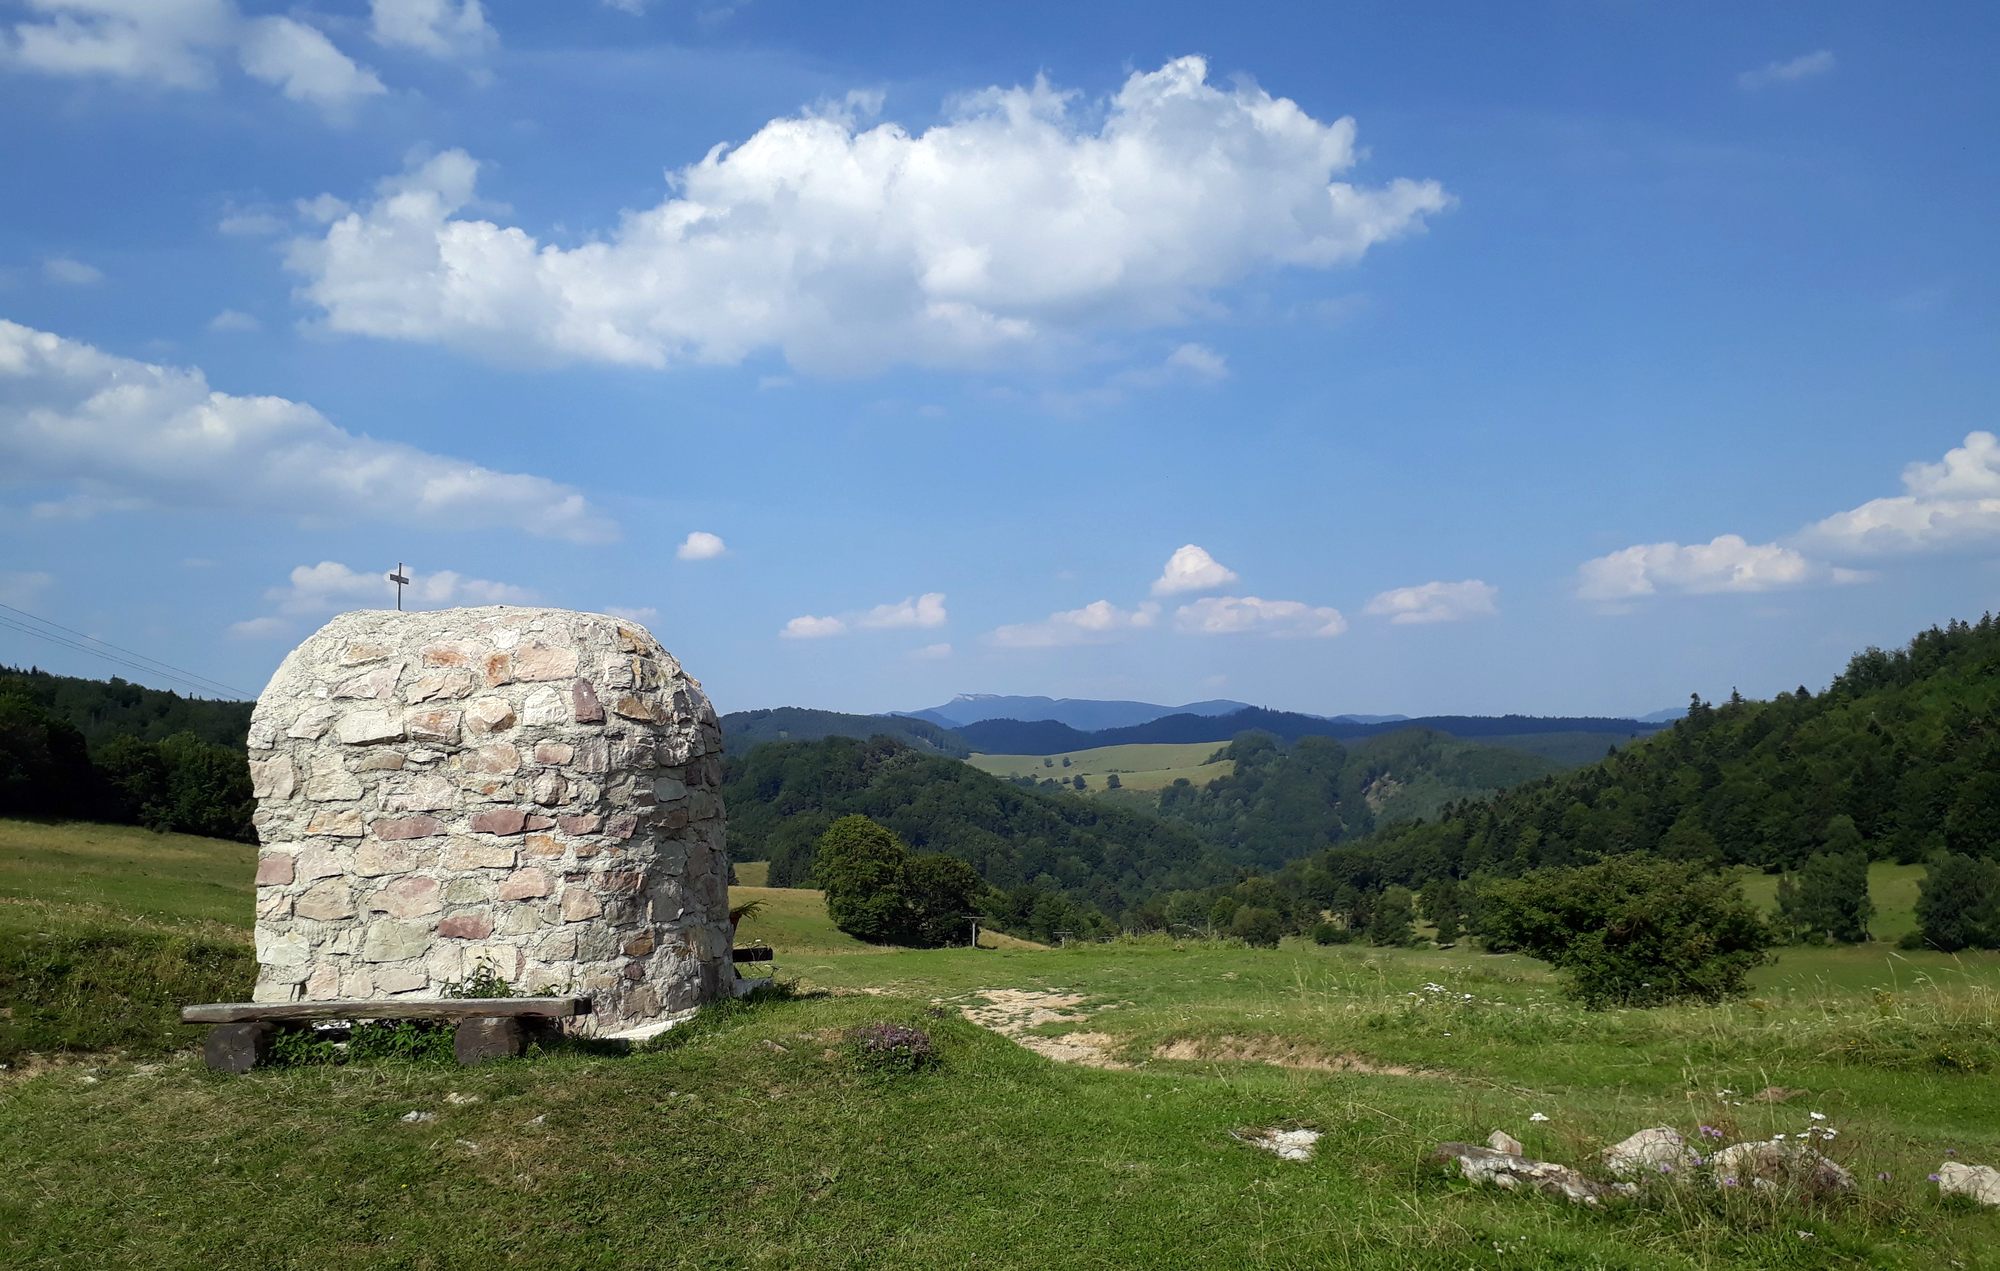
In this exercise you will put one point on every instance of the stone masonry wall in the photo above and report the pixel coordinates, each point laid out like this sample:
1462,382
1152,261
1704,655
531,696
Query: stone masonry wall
530,789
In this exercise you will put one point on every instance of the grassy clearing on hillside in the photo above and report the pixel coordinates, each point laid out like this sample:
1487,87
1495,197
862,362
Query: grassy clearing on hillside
1892,888
1141,766
752,1139
752,873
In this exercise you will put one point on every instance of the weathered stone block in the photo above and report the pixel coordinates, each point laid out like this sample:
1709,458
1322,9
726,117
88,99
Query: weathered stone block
361,728
524,884
273,778
325,901
275,869
390,828
438,724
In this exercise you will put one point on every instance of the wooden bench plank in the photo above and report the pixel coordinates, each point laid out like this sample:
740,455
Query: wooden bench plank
393,1008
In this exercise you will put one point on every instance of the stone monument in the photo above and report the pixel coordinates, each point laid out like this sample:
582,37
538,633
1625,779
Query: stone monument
532,793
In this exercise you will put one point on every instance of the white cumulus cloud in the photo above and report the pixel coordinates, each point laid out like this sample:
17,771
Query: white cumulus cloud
304,65
1191,568
331,587
1024,217
926,610
1232,615
1789,71
1953,502
125,433
1726,563
911,612
439,28
181,44
701,545
1092,624
808,627
1435,602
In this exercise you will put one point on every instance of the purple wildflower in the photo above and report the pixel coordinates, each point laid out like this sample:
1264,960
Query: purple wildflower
1729,1180
1933,1178
1710,1132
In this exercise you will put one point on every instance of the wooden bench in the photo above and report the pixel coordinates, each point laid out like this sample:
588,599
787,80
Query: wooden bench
488,1028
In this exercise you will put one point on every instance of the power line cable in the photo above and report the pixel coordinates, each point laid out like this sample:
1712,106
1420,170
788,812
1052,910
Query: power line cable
133,660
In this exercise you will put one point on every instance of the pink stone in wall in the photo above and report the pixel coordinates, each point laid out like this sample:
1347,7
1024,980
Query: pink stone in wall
274,869
584,704
466,927
525,884
499,821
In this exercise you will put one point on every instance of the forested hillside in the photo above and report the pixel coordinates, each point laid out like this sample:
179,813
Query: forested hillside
1279,804
103,709
1901,751
743,729
1053,857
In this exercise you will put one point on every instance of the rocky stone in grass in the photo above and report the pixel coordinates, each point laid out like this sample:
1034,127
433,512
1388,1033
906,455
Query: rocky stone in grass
1511,1172
464,782
1501,1141
1659,1150
1286,1145
1980,1182
1792,1166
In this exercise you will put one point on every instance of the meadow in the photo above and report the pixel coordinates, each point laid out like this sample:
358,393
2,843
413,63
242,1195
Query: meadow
1145,766
753,1137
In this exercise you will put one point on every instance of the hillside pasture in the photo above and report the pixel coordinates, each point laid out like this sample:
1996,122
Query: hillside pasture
1891,887
1141,766
752,1137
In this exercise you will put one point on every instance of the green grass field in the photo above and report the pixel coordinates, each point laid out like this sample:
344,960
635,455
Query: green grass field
1142,767
752,1138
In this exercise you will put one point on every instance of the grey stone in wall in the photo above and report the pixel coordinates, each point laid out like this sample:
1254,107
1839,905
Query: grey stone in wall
532,790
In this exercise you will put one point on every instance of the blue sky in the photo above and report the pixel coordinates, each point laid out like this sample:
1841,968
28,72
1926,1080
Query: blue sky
1544,358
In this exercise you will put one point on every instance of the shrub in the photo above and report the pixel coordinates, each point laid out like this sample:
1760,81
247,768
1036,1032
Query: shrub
1958,903
1630,931
1257,926
1332,933
891,1049
876,890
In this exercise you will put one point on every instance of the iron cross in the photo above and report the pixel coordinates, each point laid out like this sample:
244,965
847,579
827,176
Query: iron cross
401,582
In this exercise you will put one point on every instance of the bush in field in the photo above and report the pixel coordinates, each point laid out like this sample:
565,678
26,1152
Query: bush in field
1257,926
878,891
1332,933
1631,931
1827,899
1958,904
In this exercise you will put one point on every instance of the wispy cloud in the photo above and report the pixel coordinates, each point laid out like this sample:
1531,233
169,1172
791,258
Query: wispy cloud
1094,623
1435,602
1790,71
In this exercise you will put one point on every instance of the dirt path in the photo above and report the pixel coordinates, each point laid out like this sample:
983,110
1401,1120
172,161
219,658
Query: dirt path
1012,1012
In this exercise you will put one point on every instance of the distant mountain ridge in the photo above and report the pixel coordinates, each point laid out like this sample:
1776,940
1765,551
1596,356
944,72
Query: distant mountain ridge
1086,714
1021,737
1082,713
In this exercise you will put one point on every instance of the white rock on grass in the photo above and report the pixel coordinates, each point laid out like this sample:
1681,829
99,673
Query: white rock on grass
1290,1145
1655,1151
1981,1182
1501,1141
1510,1173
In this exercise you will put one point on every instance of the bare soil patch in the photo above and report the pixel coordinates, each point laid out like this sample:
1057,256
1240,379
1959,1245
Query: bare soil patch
1012,1012
1278,1053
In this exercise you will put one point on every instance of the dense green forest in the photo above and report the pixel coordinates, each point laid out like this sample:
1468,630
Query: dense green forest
113,751
1058,862
1280,804
1899,758
741,730
103,709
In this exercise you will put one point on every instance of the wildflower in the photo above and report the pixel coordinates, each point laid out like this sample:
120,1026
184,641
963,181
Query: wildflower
1933,1177
1666,1169
1777,1138
1817,1116
1536,1116
1710,1132
1805,1235
1696,1160
1729,1180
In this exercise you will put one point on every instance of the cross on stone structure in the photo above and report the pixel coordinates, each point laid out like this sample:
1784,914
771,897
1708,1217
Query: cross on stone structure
401,582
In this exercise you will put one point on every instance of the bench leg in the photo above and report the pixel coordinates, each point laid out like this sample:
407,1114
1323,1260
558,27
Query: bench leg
237,1047
477,1040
